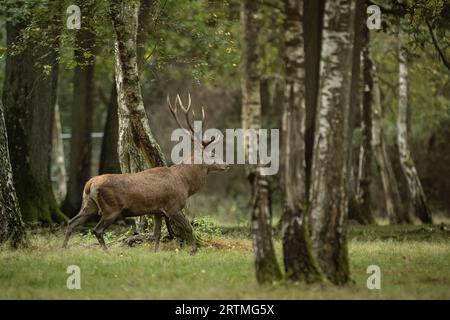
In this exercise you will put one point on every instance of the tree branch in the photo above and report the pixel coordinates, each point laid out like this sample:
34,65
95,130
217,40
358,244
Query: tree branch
436,45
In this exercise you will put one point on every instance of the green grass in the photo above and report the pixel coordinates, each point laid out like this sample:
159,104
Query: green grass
414,262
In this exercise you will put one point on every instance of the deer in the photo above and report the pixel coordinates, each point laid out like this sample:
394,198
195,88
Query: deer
160,191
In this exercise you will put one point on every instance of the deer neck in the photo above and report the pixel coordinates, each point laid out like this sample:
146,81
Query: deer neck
193,176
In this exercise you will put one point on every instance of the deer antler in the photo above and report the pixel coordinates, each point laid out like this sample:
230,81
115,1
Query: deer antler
173,110
186,111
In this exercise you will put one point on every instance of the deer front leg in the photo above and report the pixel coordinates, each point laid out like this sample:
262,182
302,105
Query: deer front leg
157,230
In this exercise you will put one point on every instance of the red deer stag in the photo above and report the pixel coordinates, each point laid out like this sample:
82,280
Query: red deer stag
150,192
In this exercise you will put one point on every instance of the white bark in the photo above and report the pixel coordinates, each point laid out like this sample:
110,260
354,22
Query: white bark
417,196
58,159
266,264
394,207
328,207
11,225
299,260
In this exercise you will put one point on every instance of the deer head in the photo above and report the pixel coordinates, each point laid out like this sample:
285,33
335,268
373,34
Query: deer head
187,110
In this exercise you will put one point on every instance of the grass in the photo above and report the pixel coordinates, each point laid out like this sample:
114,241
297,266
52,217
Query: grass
414,262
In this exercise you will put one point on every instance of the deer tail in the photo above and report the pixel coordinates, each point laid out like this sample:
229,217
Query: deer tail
87,187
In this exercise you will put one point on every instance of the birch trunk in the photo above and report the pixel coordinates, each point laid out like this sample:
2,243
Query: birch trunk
365,150
11,225
394,207
313,24
267,269
328,207
109,160
357,209
138,150
60,190
416,194
299,260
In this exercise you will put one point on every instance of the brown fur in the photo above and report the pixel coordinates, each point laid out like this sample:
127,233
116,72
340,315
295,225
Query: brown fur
153,191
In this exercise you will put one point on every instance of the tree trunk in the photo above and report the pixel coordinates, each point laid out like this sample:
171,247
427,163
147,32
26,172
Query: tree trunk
29,96
138,150
312,24
416,194
299,260
60,190
394,207
109,159
82,110
365,215
267,269
11,225
330,164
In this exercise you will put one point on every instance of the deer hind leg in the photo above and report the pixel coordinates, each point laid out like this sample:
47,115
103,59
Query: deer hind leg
88,210
157,230
99,230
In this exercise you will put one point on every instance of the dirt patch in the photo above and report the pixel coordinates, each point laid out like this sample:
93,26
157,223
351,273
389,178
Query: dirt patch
229,245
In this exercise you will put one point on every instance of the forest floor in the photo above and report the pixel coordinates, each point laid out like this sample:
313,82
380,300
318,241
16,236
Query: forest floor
414,262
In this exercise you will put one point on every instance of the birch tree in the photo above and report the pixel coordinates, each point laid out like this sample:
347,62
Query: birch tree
393,201
299,260
138,150
416,194
11,225
328,207
267,268
60,190
365,149
109,160
313,25
358,203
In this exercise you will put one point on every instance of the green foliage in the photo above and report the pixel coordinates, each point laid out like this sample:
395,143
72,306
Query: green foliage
206,227
197,39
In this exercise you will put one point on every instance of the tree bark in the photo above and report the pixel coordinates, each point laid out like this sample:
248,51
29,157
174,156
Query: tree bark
82,110
60,190
138,150
365,215
29,96
267,269
299,260
328,208
416,194
394,207
312,24
109,159
11,225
